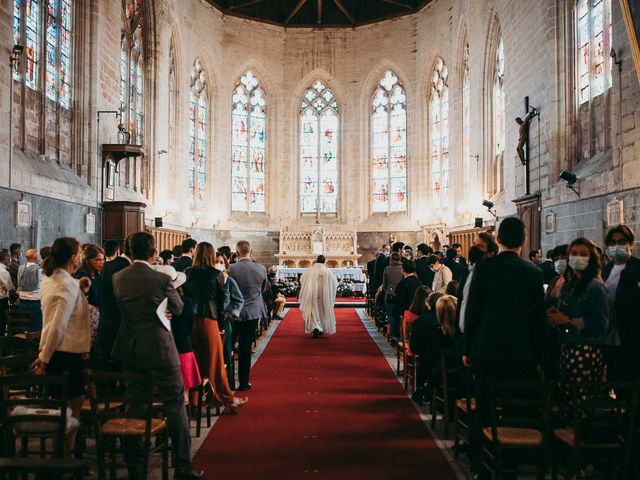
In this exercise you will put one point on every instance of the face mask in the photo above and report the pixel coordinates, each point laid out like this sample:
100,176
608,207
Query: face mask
433,270
578,263
560,266
618,252
219,267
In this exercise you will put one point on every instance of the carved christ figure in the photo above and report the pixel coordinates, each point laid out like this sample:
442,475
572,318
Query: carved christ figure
524,133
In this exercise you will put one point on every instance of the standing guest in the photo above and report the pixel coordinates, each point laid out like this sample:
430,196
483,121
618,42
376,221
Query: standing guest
29,282
443,274
109,312
546,266
176,251
206,288
419,307
7,288
459,258
226,251
452,288
44,253
582,312
233,303
390,279
91,267
65,336
375,283
146,347
503,332
446,307
251,278
457,269
407,253
553,340
535,256
560,262
486,242
382,262
166,256
475,255
623,287
17,260
318,287
406,290
111,250
186,259
425,274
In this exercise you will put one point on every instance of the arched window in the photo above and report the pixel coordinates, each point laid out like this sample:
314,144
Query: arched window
198,112
499,126
389,145
439,108
466,126
593,45
248,143
27,21
319,123
132,70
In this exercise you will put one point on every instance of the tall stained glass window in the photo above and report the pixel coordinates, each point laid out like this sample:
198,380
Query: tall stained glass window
439,109
593,44
319,122
58,51
499,125
466,126
132,70
26,31
198,112
248,145
389,145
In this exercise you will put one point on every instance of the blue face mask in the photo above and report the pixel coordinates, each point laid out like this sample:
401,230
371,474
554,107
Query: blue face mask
578,263
618,252
433,270
560,266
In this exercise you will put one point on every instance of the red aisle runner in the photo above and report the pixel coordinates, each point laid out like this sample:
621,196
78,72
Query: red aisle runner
323,408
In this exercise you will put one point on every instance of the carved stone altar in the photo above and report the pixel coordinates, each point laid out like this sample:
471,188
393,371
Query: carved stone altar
300,249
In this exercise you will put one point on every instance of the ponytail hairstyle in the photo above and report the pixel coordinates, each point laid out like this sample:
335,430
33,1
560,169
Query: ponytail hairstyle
62,250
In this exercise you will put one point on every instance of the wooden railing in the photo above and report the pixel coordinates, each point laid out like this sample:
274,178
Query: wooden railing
166,239
465,237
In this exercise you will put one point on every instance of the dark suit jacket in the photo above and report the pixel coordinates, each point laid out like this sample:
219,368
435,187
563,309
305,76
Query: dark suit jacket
424,272
109,313
142,339
457,269
251,277
378,270
627,318
182,263
371,269
405,290
505,316
548,271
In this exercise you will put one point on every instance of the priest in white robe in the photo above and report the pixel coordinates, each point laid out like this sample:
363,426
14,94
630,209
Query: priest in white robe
318,287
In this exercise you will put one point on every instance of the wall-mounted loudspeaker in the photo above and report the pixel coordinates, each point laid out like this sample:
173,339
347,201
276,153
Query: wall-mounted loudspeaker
479,222
158,222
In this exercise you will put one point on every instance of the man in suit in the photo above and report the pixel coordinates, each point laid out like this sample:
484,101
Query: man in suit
504,317
548,270
186,259
622,279
457,269
145,346
459,258
109,313
425,274
251,277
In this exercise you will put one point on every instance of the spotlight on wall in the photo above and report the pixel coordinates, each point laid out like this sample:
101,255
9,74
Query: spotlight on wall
571,179
17,49
158,222
614,55
488,204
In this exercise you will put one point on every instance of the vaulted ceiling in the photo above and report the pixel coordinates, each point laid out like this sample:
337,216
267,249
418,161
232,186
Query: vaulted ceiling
318,13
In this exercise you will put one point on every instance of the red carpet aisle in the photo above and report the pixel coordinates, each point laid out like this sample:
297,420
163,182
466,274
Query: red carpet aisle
323,408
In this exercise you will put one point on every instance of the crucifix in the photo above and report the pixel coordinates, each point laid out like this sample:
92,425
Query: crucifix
523,140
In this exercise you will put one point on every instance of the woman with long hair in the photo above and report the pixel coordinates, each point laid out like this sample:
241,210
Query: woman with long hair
91,267
65,333
418,308
446,314
581,314
206,288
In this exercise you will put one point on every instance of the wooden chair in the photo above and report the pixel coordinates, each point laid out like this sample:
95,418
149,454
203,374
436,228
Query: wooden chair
605,418
520,424
202,393
19,322
464,414
443,395
133,420
409,359
18,347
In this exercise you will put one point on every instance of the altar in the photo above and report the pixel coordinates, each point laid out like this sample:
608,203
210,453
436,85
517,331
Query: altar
299,249
354,274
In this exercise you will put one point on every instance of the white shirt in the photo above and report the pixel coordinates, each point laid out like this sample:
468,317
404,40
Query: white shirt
31,294
465,298
613,280
6,285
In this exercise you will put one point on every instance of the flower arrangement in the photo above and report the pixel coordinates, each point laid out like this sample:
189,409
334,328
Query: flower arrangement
288,286
345,288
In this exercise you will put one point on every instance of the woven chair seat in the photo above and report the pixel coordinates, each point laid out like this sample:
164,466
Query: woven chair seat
133,427
568,437
461,403
515,437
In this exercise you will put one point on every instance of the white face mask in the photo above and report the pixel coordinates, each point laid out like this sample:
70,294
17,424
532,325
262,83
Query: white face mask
560,266
219,266
618,252
578,263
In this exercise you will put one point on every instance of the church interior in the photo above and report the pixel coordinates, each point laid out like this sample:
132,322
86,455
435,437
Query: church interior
320,127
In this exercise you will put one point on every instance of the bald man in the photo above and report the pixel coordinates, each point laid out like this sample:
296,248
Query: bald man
29,281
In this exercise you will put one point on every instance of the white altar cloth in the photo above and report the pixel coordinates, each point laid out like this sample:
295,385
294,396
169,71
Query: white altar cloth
355,274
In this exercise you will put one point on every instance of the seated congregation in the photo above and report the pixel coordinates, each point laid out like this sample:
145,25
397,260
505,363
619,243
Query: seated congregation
531,362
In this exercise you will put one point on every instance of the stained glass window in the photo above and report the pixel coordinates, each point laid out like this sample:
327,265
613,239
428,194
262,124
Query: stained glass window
439,108
466,126
248,141
132,70
499,125
319,122
198,112
593,44
389,145
26,31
